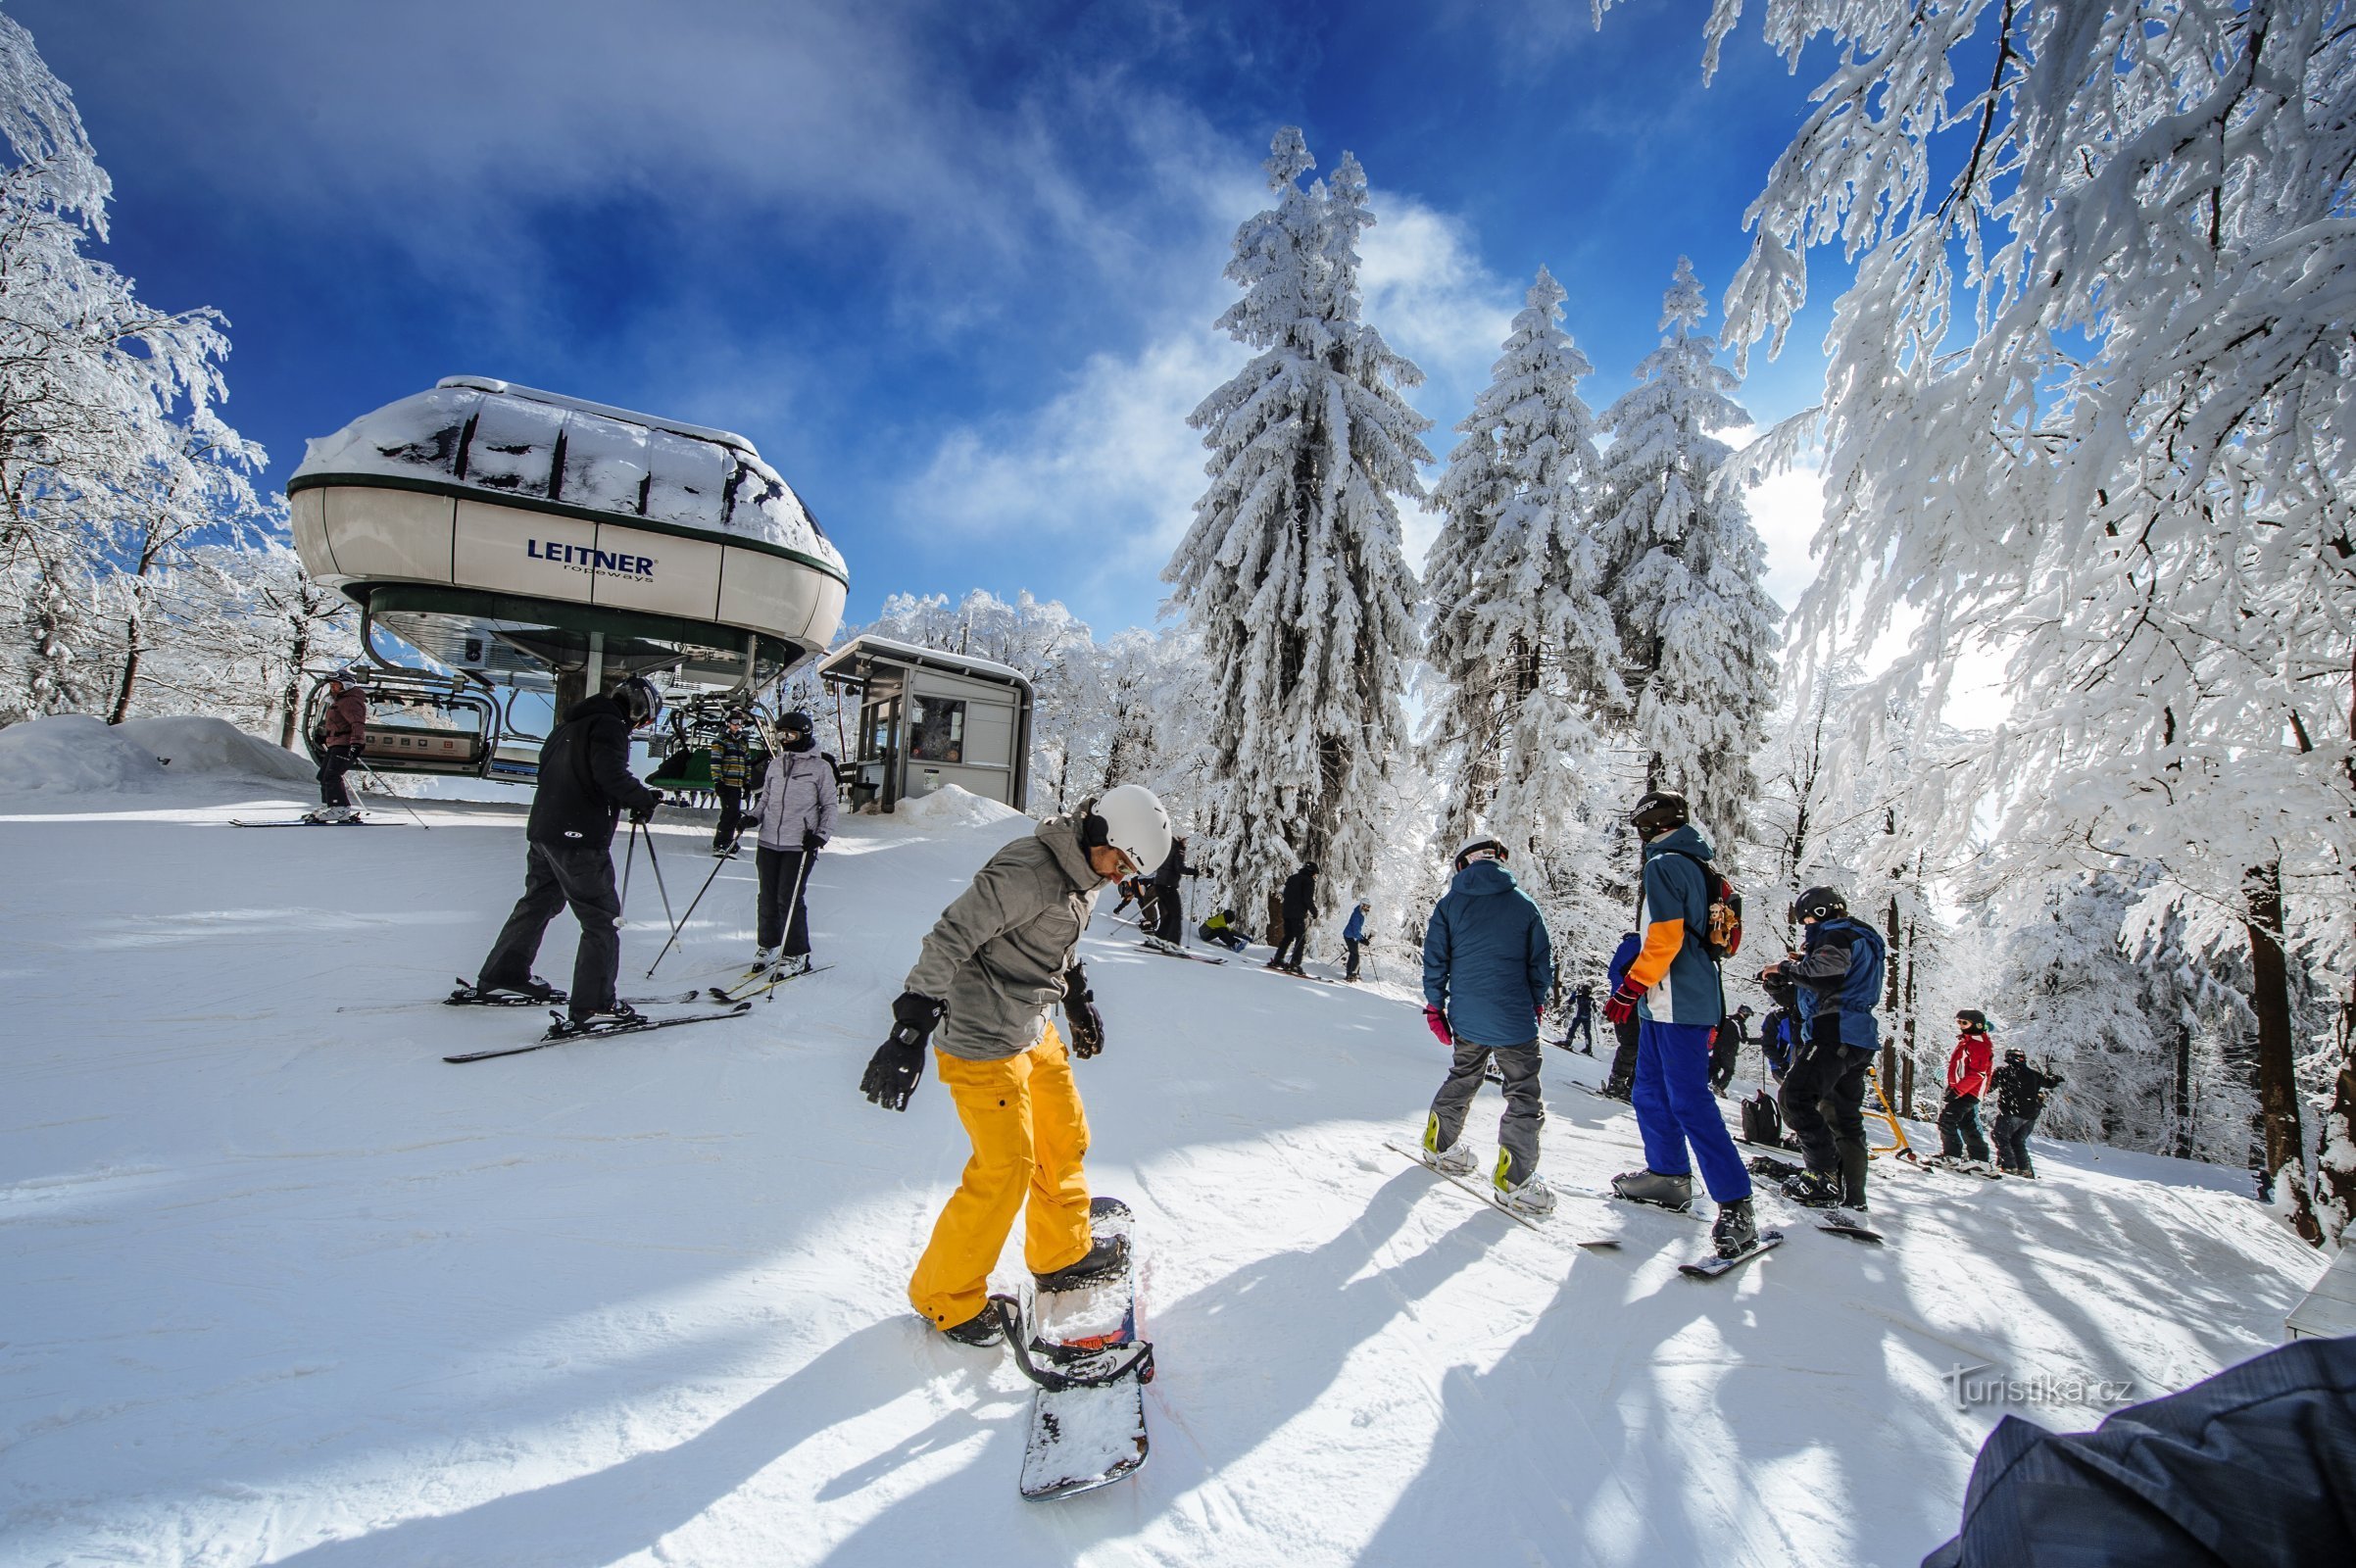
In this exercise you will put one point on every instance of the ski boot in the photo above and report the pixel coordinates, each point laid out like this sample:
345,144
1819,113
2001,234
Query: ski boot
1735,1231
763,960
790,966
981,1330
589,1023
1106,1257
1814,1189
1533,1196
1944,1163
534,989
1652,1187
1616,1089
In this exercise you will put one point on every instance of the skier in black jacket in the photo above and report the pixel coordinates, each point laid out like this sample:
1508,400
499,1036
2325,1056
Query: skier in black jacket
1169,906
1300,895
585,785
2019,1099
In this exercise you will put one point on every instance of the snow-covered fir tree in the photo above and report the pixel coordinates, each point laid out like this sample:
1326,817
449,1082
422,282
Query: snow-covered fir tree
1291,573
1698,636
1521,641
2073,1003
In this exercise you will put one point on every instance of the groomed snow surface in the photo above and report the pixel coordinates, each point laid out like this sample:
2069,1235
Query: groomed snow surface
282,1287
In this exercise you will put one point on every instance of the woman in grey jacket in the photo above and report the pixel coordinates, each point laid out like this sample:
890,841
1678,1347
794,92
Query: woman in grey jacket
797,819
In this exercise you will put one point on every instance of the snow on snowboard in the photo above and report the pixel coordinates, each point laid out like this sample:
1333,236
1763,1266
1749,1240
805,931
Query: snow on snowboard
1081,1346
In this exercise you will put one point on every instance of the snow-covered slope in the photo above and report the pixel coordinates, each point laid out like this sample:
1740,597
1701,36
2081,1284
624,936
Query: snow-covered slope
282,1287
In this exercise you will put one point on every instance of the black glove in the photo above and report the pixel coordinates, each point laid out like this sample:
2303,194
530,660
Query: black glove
812,843
1080,1011
646,813
898,1065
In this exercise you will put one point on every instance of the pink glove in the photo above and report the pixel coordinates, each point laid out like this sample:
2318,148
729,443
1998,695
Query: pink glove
1622,1006
1438,1024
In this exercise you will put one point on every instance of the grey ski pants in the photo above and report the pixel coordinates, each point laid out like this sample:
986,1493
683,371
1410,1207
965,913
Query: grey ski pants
554,876
2012,1142
1525,1112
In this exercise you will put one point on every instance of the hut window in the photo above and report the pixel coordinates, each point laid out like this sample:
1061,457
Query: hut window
937,730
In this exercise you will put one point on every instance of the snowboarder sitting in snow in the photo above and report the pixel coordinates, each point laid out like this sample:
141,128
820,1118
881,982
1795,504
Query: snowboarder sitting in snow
797,819
1621,1079
1222,930
1838,975
1299,897
995,961
585,785
2020,1098
1354,937
1673,989
343,730
1486,967
1959,1140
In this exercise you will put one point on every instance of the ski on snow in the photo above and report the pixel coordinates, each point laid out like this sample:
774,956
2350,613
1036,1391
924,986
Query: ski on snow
297,821
1157,944
1488,1195
745,990
1081,1348
561,1035
466,995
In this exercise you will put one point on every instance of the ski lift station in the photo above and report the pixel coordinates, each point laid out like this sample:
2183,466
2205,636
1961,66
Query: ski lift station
526,542
928,718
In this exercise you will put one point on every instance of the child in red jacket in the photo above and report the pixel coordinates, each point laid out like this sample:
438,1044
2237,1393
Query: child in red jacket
1975,1054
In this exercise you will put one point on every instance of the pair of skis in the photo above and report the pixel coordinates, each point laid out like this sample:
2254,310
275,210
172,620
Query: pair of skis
1167,951
561,1031
304,821
762,980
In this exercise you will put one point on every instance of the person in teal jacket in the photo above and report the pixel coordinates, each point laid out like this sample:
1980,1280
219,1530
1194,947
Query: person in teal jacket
1673,991
1487,967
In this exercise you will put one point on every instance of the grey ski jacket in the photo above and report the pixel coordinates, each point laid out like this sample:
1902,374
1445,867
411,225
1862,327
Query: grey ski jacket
997,956
797,796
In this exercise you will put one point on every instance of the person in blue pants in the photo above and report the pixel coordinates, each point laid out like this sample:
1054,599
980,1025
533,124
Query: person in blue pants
1673,991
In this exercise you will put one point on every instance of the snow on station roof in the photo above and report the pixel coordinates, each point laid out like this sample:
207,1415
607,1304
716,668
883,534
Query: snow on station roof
840,664
504,441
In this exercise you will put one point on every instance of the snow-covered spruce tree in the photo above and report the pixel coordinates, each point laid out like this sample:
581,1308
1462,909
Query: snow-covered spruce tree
2075,1005
101,397
1698,636
1292,574
2111,445
1521,643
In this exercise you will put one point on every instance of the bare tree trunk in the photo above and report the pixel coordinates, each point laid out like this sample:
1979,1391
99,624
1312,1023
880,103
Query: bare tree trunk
292,696
1906,1091
2277,1083
2335,1183
2181,1144
133,625
1893,960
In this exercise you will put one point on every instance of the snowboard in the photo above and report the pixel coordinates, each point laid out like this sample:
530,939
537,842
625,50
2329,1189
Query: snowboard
1088,1414
1486,1193
1840,1222
1709,1268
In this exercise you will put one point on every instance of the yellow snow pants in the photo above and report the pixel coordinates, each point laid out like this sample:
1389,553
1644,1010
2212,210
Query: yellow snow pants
1029,1135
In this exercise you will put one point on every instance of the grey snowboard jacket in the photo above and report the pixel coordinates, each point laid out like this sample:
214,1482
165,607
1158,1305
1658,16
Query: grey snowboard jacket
997,956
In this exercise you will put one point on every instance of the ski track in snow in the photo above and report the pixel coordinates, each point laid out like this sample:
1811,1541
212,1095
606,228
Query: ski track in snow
284,1288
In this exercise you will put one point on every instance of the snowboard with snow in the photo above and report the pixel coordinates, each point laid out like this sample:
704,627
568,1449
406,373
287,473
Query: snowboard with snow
1709,1268
1088,1414
563,1033
1486,1193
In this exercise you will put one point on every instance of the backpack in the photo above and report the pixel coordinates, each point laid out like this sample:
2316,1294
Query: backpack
1762,1123
1724,938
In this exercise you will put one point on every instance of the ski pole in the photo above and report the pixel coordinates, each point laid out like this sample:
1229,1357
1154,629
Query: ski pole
716,863
628,855
810,857
655,865
388,789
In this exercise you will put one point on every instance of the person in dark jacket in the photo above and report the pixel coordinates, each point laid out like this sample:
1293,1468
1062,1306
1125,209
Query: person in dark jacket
343,731
1673,990
731,772
1583,1021
585,785
1968,1064
1487,967
797,819
1838,974
2020,1098
1726,1052
1625,1037
1299,897
1169,908
1354,937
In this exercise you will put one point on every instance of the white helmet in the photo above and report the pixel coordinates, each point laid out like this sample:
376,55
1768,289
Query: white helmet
1131,819
1479,840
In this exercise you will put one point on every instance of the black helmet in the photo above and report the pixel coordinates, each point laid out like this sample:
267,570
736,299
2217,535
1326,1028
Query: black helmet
1819,903
796,722
735,715
1658,812
2016,1055
636,699
1972,1018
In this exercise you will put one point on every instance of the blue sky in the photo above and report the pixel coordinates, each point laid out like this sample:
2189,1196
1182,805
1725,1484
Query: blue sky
952,267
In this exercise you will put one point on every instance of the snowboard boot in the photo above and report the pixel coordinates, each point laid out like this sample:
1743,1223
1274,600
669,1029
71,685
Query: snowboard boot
1532,1196
1652,1187
1107,1256
1735,1230
1455,1160
982,1329
1814,1189
1772,1168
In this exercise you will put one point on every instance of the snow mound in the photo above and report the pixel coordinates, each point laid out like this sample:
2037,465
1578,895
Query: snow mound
74,754
950,805
195,743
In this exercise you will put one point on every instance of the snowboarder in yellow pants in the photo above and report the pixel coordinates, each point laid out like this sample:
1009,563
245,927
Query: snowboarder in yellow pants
1000,957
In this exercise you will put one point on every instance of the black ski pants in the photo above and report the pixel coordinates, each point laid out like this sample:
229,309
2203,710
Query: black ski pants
784,911
2012,1141
1959,1128
1169,914
556,876
732,816
1623,1056
1824,1104
1583,1023
1296,938
1353,943
334,762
